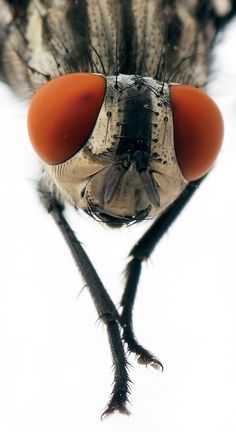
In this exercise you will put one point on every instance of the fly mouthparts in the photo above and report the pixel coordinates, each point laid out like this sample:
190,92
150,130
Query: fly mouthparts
115,175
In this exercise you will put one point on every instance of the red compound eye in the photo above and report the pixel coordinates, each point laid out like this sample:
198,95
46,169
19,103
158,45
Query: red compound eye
198,130
63,113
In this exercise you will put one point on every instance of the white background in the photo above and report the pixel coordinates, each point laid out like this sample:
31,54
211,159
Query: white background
55,366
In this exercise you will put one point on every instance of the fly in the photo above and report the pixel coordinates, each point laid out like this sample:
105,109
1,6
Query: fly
121,123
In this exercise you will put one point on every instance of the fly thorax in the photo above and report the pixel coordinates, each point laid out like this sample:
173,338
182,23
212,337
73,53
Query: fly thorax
127,170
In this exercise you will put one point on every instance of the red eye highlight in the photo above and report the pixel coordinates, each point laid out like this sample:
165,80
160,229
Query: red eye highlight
198,130
63,113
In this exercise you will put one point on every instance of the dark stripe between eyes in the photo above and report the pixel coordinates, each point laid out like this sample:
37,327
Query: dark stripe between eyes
135,142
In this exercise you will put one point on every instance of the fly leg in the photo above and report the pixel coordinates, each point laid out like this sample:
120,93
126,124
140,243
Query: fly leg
106,309
139,253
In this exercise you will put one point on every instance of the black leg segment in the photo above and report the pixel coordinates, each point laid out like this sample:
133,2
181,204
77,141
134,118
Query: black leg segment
106,309
139,253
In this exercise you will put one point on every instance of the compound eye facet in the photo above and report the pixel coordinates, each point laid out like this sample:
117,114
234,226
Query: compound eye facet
63,113
198,130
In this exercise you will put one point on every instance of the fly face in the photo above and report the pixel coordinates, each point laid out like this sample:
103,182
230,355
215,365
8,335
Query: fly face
114,146
127,170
